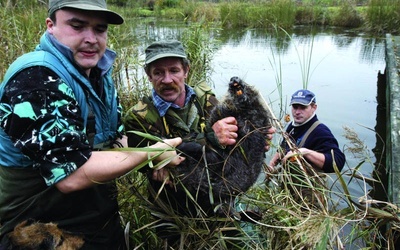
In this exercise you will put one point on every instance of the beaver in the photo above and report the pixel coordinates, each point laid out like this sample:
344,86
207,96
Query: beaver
213,176
36,235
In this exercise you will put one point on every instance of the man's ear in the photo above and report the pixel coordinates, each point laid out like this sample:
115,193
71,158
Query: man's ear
187,71
49,25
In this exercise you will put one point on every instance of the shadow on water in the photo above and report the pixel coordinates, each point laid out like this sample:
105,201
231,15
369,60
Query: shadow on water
380,173
380,189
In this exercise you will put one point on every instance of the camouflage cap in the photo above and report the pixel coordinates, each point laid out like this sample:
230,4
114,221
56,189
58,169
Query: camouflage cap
162,49
90,5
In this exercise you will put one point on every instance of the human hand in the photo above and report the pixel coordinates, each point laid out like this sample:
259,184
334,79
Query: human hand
162,175
226,130
270,132
170,155
272,169
316,159
275,160
291,156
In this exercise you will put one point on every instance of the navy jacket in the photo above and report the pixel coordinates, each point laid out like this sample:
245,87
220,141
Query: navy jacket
321,140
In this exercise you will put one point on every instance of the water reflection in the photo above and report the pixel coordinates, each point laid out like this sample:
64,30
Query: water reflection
372,50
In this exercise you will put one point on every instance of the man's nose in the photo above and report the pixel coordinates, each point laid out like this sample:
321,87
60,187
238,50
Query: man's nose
90,36
167,78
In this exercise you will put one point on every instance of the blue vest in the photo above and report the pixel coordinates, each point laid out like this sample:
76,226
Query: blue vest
106,113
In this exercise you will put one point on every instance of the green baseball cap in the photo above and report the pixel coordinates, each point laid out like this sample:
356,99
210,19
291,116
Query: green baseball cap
162,49
90,5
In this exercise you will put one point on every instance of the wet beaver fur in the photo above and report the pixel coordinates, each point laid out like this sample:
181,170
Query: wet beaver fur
30,235
215,176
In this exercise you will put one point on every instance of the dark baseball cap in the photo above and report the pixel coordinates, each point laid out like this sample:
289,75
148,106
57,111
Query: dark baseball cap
90,5
303,97
162,49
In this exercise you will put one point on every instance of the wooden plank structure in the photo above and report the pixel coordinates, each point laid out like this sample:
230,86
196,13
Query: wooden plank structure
393,116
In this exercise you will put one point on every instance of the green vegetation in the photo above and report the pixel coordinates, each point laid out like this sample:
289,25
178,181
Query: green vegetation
383,16
288,222
378,16
19,33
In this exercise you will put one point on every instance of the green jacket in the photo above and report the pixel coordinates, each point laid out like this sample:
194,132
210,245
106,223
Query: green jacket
144,117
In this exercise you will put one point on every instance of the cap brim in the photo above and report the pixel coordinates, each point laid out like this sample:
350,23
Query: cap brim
111,16
301,102
159,56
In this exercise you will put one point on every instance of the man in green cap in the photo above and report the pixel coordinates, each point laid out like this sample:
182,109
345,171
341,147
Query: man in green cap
175,109
59,112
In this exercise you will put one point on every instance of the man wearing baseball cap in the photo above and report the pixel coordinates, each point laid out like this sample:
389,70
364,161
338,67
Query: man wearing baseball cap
59,114
315,143
314,139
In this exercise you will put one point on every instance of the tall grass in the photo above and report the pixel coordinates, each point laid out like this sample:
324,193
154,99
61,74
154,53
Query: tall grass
20,30
245,14
346,16
376,16
384,16
201,12
291,221
199,47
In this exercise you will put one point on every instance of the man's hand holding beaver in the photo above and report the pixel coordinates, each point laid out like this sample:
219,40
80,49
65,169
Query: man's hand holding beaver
226,130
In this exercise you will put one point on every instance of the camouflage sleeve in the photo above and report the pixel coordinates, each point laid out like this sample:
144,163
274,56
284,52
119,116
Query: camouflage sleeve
135,121
211,102
40,114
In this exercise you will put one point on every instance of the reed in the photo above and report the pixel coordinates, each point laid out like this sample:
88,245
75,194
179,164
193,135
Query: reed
346,16
201,12
20,29
199,48
244,14
375,16
383,16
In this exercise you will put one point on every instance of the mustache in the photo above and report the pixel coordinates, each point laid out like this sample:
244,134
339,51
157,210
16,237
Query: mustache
162,88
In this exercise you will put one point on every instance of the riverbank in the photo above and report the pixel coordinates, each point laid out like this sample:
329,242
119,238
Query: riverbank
375,16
